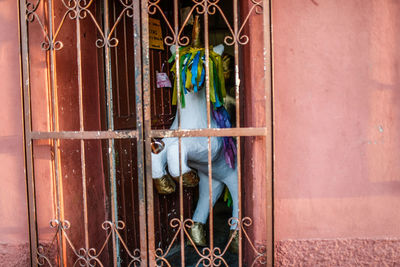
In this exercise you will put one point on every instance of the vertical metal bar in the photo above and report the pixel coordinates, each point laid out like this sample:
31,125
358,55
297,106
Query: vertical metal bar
147,129
139,126
207,61
269,142
178,77
25,93
54,127
110,122
82,128
237,100
178,71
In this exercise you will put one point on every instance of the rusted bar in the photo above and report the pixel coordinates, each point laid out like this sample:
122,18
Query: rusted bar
87,135
139,131
147,130
238,143
54,127
269,103
25,91
249,131
179,106
82,128
207,82
110,126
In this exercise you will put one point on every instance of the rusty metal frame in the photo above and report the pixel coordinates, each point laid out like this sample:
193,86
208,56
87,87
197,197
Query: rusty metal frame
211,256
148,254
269,144
78,10
25,86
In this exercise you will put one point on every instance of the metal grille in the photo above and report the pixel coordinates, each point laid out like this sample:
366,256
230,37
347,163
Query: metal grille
91,111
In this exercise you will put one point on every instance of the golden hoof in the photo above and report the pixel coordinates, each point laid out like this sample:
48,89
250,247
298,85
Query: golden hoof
165,185
234,246
197,234
190,179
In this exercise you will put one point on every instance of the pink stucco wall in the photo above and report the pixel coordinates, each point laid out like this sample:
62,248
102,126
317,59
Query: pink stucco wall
13,211
337,124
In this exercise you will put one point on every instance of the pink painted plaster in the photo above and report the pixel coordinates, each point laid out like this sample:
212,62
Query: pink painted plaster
337,118
13,209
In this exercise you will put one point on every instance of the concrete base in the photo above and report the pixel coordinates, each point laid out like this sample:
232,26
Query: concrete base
338,252
14,255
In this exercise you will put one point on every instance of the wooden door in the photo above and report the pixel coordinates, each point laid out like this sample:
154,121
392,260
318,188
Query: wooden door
163,114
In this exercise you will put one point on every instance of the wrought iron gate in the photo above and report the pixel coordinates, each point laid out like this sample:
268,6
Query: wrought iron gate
88,157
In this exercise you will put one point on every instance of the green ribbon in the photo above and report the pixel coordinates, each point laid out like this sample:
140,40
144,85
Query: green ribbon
192,71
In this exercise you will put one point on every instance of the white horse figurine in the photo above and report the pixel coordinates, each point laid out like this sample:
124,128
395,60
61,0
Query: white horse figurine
194,161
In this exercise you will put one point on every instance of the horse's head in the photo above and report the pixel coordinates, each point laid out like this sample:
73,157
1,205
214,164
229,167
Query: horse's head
192,65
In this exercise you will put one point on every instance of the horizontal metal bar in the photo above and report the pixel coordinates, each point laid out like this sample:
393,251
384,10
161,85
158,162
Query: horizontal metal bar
250,131
154,133
84,135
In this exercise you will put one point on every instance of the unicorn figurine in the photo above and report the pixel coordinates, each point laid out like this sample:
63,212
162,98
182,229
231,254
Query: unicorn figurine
194,150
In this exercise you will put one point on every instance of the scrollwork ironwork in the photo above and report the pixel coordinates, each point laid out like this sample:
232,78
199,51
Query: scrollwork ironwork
200,8
41,258
214,257
152,8
89,256
77,9
210,7
243,39
261,251
160,255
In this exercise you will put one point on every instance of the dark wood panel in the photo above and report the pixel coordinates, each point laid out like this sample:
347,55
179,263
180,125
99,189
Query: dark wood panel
163,113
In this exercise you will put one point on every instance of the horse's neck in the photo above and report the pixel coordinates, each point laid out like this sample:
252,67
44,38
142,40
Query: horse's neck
194,114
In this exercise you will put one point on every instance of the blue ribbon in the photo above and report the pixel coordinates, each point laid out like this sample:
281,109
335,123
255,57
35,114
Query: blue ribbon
184,72
195,65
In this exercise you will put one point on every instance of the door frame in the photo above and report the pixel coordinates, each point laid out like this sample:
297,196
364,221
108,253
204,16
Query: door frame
143,113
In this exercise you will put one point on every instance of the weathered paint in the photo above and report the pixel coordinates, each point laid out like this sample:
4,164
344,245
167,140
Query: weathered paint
257,155
14,238
337,120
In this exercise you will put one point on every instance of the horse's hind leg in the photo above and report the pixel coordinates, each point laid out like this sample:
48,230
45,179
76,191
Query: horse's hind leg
231,181
223,173
197,232
203,204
